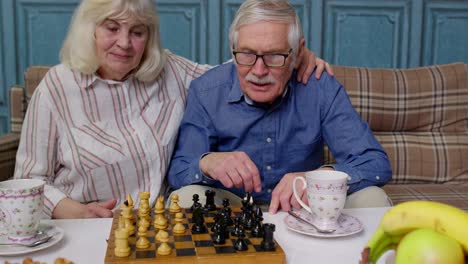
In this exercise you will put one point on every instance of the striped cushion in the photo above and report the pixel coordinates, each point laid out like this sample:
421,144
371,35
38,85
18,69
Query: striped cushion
455,195
426,157
421,99
420,116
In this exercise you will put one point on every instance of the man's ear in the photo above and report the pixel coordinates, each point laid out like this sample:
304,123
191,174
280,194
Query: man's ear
300,50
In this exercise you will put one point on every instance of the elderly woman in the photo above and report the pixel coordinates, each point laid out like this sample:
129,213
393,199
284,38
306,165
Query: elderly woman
103,123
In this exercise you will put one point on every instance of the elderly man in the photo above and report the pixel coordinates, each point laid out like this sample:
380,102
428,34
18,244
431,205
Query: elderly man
249,126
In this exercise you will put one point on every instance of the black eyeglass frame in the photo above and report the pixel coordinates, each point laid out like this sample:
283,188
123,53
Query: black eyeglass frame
285,56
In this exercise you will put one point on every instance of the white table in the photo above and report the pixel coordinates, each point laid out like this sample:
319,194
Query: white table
85,241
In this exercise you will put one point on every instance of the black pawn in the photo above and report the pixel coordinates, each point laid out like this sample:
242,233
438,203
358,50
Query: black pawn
268,244
195,200
257,230
226,212
237,228
219,233
210,203
240,244
198,221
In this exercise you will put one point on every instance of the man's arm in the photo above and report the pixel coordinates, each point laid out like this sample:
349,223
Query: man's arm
354,147
352,143
195,158
196,138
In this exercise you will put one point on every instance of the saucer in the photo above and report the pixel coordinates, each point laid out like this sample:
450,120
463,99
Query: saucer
348,225
44,228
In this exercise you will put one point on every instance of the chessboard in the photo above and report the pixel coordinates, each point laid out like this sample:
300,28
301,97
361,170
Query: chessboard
189,247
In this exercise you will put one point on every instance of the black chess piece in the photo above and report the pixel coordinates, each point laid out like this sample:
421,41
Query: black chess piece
249,219
226,212
219,233
198,221
257,229
268,243
237,224
245,208
240,244
195,200
210,203
216,220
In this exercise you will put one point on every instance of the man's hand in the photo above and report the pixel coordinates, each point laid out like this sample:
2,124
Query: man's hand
232,169
282,196
306,63
68,208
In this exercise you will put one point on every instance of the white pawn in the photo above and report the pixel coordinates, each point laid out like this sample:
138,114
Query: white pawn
121,240
178,228
142,241
174,208
164,248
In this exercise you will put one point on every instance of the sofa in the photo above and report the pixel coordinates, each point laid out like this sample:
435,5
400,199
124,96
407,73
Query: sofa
419,115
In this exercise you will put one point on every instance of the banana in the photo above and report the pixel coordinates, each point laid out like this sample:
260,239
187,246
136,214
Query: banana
440,217
379,243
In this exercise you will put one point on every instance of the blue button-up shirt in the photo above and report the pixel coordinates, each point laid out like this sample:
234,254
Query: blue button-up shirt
286,136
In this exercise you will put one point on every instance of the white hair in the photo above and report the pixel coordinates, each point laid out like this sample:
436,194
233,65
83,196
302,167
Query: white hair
253,11
79,50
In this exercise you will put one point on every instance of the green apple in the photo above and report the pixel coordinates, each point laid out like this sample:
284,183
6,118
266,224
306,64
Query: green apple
427,246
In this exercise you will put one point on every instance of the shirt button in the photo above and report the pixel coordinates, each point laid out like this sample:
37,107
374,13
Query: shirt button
268,167
349,178
269,190
268,140
377,177
196,176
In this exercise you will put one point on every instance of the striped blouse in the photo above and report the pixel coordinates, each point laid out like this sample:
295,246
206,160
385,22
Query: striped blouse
92,139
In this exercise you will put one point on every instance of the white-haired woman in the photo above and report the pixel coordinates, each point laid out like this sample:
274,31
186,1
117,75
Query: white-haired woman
102,124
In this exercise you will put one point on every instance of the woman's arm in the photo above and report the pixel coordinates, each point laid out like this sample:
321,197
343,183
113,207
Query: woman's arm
68,208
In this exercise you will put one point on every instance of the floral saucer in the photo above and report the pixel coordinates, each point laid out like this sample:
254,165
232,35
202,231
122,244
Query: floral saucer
44,229
348,225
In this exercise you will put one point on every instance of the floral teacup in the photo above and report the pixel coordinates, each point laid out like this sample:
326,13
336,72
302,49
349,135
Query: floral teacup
326,194
21,205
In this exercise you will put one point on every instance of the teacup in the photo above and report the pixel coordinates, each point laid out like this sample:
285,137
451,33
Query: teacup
326,194
21,205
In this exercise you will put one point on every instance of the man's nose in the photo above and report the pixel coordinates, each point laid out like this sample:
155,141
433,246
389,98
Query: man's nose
259,68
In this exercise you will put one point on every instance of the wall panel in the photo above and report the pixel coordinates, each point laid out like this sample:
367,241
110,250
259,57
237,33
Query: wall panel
445,32
7,60
365,33
42,26
183,28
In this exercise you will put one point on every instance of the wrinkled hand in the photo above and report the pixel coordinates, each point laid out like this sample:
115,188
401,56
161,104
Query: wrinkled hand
68,208
283,197
232,169
307,61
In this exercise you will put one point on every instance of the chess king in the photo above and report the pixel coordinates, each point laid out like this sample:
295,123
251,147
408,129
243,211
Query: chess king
249,126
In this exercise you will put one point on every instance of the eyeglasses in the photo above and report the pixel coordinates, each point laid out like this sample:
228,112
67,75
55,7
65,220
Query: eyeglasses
270,59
